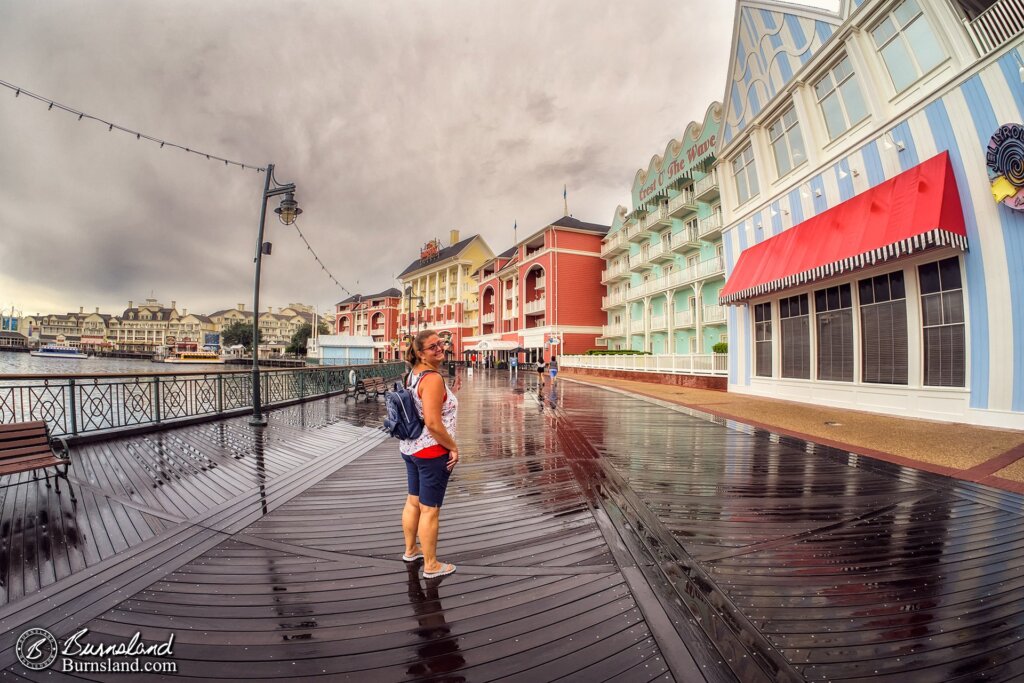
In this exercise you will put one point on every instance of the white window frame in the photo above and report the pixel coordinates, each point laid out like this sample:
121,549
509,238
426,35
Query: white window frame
784,136
838,89
743,166
900,34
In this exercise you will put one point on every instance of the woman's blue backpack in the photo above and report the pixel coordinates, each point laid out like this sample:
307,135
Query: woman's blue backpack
401,419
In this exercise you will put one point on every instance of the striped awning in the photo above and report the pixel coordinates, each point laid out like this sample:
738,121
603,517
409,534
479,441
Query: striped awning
916,210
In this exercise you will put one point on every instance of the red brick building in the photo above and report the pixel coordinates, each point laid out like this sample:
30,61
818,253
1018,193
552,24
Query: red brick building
544,294
373,315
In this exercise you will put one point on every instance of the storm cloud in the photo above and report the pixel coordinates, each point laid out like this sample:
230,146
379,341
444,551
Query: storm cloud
398,121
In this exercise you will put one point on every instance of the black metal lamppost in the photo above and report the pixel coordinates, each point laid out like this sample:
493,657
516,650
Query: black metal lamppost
421,306
287,212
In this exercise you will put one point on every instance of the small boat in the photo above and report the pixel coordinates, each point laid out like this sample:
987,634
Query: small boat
194,357
57,351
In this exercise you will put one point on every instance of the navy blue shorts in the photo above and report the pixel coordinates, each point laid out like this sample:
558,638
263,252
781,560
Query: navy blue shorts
428,478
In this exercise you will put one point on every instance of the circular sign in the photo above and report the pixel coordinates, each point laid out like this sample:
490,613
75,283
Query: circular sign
1005,160
36,649
169,340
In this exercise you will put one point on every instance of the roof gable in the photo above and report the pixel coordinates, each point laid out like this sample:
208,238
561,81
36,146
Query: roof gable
771,41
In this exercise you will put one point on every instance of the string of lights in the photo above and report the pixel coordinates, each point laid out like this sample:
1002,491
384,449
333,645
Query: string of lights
322,266
19,91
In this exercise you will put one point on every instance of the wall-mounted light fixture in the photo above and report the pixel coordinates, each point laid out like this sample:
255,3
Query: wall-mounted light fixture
890,141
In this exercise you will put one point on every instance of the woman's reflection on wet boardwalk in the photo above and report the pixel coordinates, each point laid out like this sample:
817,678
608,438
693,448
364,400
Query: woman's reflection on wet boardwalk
438,655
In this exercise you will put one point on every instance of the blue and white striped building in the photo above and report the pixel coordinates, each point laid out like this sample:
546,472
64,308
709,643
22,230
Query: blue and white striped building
821,107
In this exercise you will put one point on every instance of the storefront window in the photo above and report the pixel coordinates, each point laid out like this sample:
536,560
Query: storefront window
942,315
907,44
746,174
833,308
883,325
763,339
794,317
787,143
840,99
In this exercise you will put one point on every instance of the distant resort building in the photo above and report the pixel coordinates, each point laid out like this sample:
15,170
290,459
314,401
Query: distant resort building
664,265
873,200
543,294
439,292
374,316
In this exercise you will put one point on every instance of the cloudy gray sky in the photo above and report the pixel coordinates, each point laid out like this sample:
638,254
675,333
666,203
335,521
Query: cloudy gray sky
398,121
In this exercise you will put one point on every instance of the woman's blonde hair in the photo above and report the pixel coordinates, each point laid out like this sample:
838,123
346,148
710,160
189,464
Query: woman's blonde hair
417,345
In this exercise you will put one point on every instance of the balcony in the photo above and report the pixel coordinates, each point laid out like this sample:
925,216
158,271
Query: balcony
539,283
997,25
640,262
683,319
616,271
656,218
613,300
682,204
700,271
713,315
706,189
639,232
710,227
659,323
636,327
661,252
487,318
510,294
613,330
471,306
535,307
615,244
688,238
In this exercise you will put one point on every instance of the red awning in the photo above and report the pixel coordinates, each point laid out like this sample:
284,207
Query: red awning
916,210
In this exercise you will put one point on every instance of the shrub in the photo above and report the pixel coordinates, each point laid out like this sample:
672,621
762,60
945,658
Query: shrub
617,352
721,347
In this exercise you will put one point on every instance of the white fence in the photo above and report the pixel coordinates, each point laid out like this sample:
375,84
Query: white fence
690,364
997,25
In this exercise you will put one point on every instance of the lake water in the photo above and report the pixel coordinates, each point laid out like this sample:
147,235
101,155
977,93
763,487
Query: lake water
25,364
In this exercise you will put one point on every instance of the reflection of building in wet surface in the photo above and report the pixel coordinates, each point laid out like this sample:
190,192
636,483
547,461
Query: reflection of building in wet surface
572,525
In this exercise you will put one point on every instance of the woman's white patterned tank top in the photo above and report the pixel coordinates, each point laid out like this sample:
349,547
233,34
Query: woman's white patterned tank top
449,415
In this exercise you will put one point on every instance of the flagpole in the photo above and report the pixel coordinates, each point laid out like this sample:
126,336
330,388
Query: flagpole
565,198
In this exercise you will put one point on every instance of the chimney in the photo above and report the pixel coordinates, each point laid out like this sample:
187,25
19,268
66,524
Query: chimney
97,309
81,310
184,311
174,304
131,304
241,307
453,237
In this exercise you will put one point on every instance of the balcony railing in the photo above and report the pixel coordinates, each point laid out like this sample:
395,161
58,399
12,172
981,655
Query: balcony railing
688,364
711,226
535,306
659,322
706,186
688,238
487,318
613,330
613,300
510,293
539,283
615,271
997,25
682,203
636,326
713,315
700,271
659,216
683,319
614,243
471,306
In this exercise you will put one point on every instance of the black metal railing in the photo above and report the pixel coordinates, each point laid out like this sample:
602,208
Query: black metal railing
78,404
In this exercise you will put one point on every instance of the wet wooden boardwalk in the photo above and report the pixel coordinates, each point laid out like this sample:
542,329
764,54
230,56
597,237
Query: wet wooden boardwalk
598,536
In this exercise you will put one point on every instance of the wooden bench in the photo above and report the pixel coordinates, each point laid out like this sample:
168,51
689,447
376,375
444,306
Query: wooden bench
375,385
28,447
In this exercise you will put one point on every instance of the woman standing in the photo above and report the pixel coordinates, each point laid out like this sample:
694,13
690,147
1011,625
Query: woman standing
429,459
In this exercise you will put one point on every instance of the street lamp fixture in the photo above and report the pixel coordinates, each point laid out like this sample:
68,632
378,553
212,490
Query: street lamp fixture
287,212
421,306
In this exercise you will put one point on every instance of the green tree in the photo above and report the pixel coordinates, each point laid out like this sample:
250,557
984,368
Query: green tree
238,332
300,340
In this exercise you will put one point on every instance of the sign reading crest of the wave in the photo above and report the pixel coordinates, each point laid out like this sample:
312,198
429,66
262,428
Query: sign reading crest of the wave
681,157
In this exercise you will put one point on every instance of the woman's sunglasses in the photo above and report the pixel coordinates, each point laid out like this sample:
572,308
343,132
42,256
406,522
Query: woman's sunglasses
435,346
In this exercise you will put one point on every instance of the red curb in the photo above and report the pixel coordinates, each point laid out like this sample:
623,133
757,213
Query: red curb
990,467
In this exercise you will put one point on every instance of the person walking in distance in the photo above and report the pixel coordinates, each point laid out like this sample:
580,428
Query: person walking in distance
553,365
540,375
430,458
